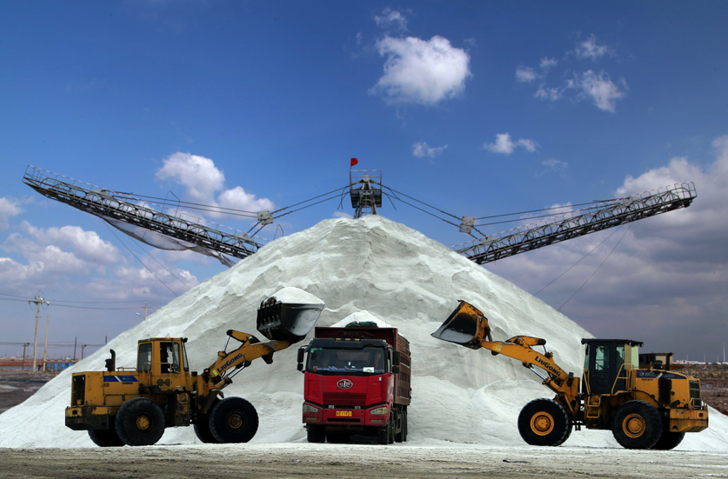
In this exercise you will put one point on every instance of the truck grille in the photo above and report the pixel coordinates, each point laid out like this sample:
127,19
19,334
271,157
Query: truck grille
78,391
345,399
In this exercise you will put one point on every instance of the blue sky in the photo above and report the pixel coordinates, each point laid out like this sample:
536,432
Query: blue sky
478,108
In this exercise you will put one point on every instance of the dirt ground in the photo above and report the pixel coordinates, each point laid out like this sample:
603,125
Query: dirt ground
302,460
17,386
268,461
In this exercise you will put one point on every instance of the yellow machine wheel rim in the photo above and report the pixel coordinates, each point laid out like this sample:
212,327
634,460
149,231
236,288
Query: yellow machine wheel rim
143,422
634,425
235,421
542,423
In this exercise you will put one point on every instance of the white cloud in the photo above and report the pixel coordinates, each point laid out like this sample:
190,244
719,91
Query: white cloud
391,19
588,49
8,209
548,63
341,214
555,165
585,86
196,173
525,74
421,71
201,179
551,94
600,89
504,145
666,278
422,149
86,245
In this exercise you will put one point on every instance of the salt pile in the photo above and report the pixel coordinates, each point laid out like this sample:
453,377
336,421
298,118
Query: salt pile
365,269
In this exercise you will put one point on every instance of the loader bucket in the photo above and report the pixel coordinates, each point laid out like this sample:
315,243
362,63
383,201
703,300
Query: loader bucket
465,326
289,322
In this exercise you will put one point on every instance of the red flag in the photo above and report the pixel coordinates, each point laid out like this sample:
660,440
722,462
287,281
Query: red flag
354,161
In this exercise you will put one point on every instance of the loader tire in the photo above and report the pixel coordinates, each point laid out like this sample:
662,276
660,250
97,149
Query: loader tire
140,422
202,427
668,440
543,422
637,425
105,437
233,420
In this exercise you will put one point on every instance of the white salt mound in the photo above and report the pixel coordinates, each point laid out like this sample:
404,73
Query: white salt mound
363,270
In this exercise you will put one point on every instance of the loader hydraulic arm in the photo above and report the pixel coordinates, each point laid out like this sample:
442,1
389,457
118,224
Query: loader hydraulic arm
228,364
468,327
521,348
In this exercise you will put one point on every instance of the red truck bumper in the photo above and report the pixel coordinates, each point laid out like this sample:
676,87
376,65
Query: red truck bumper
375,416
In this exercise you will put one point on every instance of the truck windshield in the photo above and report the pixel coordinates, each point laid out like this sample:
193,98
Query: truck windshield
363,361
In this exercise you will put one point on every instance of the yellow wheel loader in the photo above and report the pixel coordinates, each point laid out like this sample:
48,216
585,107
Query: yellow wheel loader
134,406
644,408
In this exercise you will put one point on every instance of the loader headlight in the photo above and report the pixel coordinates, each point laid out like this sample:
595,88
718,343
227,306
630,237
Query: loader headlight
380,411
309,408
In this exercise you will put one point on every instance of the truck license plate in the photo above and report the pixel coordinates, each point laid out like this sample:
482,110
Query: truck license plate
343,413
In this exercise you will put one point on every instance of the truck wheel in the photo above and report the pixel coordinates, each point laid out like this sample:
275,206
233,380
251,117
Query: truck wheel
202,427
668,440
234,420
316,434
401,436
637,425
337,437
543,422
105,437
140,422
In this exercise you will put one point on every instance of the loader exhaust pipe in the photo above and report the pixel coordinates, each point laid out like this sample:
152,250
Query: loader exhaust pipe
465,326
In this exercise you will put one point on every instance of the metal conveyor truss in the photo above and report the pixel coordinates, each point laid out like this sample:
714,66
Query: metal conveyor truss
578,223
112,207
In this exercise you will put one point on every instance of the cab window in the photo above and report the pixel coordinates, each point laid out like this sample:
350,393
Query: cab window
601,358
169,357
144,362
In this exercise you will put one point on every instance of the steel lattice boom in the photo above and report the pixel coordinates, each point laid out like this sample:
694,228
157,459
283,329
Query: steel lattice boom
579,223
111,207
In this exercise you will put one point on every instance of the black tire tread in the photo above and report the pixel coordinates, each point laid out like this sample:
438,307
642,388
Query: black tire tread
220,413
562,424
126,420
105,437
653,425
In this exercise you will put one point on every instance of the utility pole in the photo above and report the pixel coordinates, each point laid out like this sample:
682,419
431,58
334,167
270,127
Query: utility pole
38,302
22,367
75,343
45,346
83,346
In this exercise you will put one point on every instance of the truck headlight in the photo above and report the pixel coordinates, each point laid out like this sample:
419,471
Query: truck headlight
380,411
309,408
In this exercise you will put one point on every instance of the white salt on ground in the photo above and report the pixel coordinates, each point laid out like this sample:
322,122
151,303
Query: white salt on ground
364,269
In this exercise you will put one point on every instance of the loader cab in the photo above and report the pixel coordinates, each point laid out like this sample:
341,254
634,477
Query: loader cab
162,357
606,362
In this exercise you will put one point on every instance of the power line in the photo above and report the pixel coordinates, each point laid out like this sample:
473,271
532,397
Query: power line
569,268
142,262
595,271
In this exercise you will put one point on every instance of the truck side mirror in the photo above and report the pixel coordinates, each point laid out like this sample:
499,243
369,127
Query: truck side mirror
396,357
300,358
395,369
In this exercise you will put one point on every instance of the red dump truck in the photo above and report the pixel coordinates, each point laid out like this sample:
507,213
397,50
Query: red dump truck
357,382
